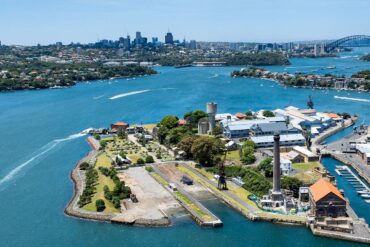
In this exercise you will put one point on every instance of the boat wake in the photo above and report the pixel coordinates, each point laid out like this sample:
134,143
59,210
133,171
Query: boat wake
353,99
42,151
99,97
214,76
138,92
129,94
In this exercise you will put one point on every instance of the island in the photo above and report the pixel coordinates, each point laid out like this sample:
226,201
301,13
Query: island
264,164
359,81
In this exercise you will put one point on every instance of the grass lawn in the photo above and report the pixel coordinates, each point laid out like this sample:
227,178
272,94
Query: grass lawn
309,166
233,156
102,161
305,171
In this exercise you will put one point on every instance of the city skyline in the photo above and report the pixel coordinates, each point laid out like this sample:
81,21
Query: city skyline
240,21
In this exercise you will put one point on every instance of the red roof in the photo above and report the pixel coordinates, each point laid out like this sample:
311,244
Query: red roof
240,115
322,188
182,121
120,124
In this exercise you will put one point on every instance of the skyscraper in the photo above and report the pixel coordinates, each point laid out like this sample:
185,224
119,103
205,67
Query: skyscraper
127,43
169,38
138,38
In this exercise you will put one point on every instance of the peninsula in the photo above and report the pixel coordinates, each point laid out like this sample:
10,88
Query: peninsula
261,163
359,81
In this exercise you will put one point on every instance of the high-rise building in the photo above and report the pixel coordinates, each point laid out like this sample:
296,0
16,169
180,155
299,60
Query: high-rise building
138,38
169,38
127,43
154,40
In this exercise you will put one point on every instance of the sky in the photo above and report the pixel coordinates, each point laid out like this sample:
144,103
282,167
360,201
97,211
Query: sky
29,22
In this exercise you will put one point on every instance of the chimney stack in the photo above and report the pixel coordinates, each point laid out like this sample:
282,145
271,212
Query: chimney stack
276,192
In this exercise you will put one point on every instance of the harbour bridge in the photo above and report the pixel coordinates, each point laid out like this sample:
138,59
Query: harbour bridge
350,41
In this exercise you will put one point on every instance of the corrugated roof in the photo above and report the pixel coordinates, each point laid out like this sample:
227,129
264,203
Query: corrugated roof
283,138
322,188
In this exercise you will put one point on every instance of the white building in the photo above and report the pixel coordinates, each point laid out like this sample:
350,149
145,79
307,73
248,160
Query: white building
285,166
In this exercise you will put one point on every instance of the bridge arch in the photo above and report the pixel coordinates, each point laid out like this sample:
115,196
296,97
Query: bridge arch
350,41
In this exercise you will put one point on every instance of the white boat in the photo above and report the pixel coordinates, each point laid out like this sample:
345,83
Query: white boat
330,67
362,192
365,196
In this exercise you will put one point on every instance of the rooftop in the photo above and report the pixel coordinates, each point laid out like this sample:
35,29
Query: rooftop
322,188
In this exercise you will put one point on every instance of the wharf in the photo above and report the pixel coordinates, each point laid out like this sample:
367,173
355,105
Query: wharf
236,197
202,215
360,232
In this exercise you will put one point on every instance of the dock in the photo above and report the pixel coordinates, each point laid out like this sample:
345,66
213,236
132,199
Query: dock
362,188
202,215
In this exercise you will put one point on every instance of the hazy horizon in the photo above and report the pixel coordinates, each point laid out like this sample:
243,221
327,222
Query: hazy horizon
25,22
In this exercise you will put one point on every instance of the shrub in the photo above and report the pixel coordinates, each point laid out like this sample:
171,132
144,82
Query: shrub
149,168
140,161
149,159
84,166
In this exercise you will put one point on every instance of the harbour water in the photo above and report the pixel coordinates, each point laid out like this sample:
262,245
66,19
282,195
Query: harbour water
41,142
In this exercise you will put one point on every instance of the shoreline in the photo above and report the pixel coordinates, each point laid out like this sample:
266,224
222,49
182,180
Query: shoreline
303,87
74,84
72,209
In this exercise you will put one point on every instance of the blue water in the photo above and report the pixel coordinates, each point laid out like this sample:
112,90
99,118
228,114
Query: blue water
40,145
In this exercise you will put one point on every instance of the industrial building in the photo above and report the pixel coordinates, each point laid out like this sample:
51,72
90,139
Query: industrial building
310,119
285,140
326,200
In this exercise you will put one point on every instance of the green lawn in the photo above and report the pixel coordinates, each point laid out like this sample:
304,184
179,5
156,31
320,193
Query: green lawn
305,171
102,161
309,166
233,156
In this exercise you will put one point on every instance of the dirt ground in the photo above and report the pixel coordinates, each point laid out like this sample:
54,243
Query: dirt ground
154,200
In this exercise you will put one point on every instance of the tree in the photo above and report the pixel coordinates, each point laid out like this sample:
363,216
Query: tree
169,122
250,143
248,156
84,166
175,135
149,159
217,130
194,117
162,132
266,166
205,149
291,183
122,134
267,113
140,161
185,145
100,205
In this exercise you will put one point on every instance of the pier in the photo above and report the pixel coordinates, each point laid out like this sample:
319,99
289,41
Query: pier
202,215
362,188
